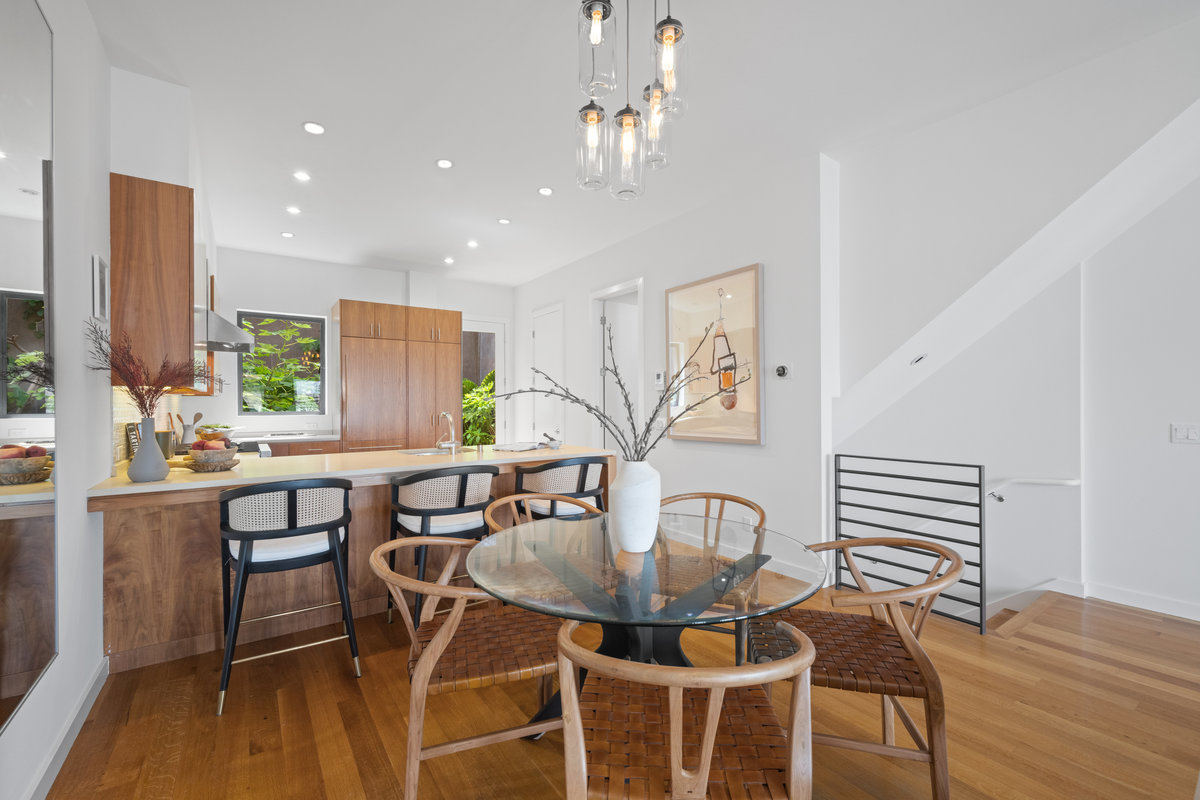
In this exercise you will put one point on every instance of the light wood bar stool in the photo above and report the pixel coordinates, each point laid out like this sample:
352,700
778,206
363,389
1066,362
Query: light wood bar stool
877,653
646,730
280,526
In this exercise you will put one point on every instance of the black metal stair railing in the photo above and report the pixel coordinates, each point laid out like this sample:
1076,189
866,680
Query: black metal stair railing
906,498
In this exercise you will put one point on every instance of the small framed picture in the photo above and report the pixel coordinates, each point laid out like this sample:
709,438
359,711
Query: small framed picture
100,288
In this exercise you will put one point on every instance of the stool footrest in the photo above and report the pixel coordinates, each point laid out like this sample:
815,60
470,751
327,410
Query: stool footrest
290,649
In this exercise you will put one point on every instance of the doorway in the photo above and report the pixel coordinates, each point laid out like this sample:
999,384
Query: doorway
549,414
484,347
619,309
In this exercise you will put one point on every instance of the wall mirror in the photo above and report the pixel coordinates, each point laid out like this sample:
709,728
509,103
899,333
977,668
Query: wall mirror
28,636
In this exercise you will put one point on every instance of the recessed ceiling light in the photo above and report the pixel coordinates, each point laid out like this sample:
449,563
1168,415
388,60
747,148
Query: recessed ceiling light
287,235
503,221
448,260
293,210
302,176
545,191
918,359
315,128
472,244
445,163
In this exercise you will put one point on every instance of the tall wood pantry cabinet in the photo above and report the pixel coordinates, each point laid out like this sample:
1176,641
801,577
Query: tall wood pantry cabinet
401,367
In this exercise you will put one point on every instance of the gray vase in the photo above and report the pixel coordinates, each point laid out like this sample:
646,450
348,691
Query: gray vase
148,462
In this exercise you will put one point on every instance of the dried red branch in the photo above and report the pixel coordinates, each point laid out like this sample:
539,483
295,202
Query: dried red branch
145,386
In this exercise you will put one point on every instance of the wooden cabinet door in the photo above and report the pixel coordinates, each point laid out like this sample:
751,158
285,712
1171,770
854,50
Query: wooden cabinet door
422,394
151,275
356,318
448,385
391,322
279,449
448,325
422,324
374,393
314,448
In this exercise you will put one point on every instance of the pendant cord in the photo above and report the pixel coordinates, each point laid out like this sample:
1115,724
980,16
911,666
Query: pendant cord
627,76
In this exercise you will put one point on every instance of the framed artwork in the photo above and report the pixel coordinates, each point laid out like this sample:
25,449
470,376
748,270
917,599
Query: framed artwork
100,289
726,362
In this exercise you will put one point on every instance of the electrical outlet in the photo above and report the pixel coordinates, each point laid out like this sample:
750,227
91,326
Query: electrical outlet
1182,433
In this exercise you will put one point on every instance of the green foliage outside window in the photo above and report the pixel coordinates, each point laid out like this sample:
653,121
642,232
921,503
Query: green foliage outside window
283,373
479,410
25,341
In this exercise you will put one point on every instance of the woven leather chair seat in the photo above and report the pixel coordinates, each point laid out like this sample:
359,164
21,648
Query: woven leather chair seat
626,731
679,574
492,645
855,652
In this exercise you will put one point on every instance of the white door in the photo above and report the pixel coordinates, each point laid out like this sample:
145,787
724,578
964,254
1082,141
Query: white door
549,414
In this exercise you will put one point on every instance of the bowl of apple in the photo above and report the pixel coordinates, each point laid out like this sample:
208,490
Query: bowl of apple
24,464
212,456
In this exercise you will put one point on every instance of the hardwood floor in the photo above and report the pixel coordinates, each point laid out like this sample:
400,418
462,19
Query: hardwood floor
1069,699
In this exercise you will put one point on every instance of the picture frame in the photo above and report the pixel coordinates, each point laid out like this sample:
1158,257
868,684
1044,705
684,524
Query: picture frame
731,303
101,289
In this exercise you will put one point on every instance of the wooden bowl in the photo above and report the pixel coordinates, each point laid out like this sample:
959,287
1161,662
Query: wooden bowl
211,434
212,466
14,478
17,466
213,456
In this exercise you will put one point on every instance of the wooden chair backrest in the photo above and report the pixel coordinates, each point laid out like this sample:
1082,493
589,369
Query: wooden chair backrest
716,504
688,783
515,502
434,591
886,605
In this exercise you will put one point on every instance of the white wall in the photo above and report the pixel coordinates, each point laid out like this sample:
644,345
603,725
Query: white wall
81,158
928,213
1009,402
151,128
262,282
774,223
1141,373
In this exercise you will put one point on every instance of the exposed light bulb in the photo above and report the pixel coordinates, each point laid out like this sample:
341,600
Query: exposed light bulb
668,58
593,131
627,142
596,37
656,115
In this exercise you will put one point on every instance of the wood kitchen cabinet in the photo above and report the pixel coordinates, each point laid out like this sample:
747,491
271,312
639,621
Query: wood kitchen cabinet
374,394
434,325
372,320
434,386
151,267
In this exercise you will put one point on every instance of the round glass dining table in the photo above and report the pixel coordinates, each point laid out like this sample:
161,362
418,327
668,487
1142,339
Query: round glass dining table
700,571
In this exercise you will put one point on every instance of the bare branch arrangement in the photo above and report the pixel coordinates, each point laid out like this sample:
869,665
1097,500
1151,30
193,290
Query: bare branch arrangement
145,387
634,442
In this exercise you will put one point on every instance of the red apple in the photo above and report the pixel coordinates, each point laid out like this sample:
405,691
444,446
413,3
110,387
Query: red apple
35,451
12,452
11,447
216,444
198,444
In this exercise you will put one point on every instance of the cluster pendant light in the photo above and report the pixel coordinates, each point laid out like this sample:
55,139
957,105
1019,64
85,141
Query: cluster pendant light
616,151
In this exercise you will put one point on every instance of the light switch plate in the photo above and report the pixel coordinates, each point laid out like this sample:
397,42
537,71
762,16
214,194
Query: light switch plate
1182,433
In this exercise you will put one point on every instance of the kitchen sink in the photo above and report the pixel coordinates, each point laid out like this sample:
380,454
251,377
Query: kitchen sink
428,451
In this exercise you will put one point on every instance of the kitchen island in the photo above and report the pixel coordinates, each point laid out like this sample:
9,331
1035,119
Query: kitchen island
162,562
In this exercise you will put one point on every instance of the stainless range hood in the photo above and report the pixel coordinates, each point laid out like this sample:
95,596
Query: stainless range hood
214,332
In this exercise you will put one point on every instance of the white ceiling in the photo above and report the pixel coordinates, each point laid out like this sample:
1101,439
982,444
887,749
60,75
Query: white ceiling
492,86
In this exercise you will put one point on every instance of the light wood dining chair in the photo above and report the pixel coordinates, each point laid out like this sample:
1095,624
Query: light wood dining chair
646,730
878,653
462,648
681,572
521,510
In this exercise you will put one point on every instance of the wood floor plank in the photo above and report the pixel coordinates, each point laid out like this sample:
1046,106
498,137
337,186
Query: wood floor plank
1080,699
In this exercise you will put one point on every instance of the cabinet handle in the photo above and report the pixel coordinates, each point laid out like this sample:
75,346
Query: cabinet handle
431,334
439,334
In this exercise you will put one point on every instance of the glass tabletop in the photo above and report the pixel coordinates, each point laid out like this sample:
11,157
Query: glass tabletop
699,571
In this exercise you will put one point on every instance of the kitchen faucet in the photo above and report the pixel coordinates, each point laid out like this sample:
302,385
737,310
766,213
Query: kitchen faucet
446,441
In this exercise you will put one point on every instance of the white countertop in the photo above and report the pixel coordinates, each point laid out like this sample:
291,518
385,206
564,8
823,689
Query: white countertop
42,492
252,469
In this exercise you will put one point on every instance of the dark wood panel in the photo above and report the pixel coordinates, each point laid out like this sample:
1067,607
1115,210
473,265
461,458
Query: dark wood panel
448,325
151,273
374,391
26,600
448,384
422,324
314,448
355,318
391,321
422,394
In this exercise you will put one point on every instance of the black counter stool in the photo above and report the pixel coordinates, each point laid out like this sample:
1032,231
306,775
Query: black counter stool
568,477
280,526
439,502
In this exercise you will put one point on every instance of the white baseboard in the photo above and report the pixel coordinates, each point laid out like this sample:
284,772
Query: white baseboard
70,731
1018,601
1148,602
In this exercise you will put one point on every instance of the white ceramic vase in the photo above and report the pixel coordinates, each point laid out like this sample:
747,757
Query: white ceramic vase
633,500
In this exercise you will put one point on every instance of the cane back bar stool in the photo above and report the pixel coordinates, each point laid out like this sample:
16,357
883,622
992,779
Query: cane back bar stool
689,570
878,654
567,477
439,502
646,730
280,526
464,648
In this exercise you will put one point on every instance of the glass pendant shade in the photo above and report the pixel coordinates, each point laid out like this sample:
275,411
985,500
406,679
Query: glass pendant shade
670,55
597,49
629,155
657,129
592,134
